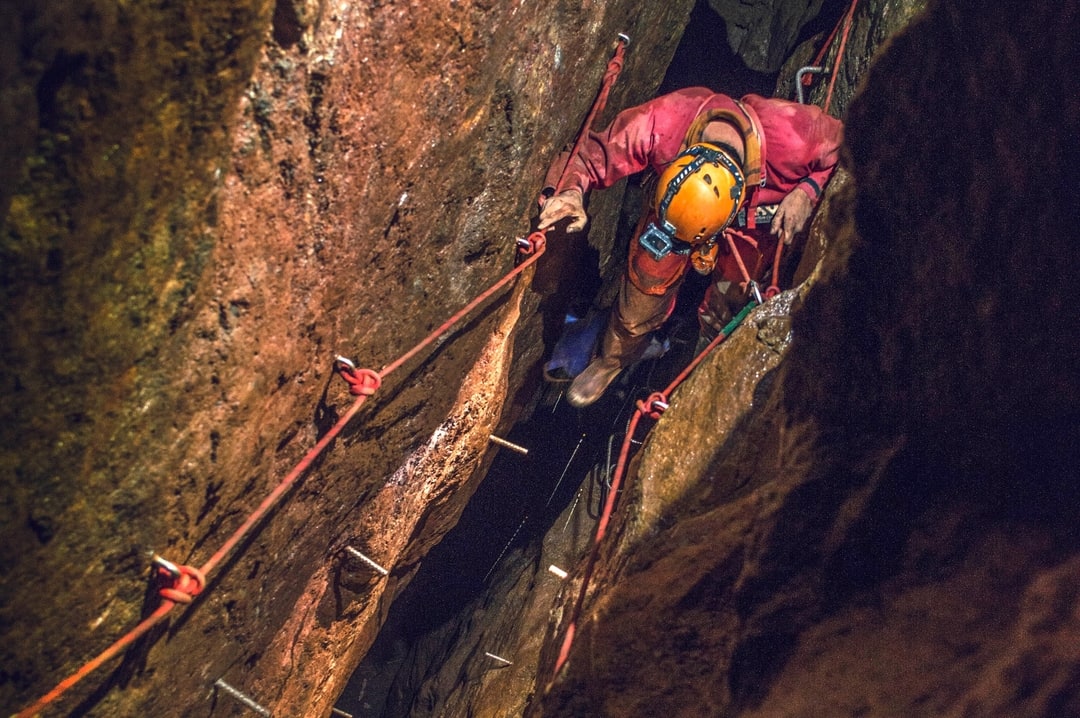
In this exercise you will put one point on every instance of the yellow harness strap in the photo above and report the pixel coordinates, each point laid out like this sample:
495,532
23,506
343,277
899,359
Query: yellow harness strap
753,140
703,258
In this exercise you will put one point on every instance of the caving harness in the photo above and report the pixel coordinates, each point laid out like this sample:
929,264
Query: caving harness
704,191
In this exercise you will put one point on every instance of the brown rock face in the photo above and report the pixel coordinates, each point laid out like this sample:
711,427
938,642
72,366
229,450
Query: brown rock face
203,205
861,504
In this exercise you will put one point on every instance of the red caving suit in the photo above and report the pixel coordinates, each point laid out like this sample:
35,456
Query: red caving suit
799,151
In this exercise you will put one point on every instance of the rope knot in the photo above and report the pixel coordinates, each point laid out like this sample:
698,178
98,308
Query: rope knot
653,405
180,584
614,67
362,382
615,64
532,244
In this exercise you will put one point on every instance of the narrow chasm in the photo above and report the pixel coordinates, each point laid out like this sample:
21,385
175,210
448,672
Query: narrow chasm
534,515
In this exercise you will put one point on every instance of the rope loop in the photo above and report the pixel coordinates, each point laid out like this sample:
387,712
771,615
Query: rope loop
729,235
653,406
774,288
182,584
532,244
362,382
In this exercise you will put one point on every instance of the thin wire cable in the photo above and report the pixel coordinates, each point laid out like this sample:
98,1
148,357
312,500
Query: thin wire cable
643,407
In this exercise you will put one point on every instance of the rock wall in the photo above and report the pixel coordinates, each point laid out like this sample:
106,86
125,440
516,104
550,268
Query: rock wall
762,33
885,527
203,205
449,671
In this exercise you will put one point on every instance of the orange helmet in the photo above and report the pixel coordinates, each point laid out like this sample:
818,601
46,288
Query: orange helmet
699,193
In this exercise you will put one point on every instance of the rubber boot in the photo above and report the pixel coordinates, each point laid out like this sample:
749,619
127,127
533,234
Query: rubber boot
590,385
618,350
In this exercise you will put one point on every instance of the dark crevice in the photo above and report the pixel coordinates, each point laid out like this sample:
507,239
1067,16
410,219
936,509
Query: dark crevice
286,24
502,527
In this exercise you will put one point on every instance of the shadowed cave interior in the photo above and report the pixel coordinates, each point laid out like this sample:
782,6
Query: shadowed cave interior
521,496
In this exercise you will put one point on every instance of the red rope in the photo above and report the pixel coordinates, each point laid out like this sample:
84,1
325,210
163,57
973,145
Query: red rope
653,407
729,235
362,383
774,288
840,53
601,529
284,485
535,250
614,67
824,49
113,650
188,582
845,21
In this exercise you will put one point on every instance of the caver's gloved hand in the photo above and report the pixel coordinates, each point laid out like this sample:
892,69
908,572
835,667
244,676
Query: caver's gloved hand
568,203
791,215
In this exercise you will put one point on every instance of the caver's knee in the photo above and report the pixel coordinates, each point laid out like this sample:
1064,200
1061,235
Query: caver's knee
636,313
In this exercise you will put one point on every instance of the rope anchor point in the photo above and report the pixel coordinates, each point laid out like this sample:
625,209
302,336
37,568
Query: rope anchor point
362,382
180,584
654,405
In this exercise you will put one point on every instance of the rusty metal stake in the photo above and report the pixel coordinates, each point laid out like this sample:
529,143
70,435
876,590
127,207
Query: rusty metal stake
499,659
378,569
503,442
169,566
241,697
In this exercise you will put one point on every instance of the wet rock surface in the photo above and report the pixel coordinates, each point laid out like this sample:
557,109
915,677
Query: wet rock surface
205,205
861,504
